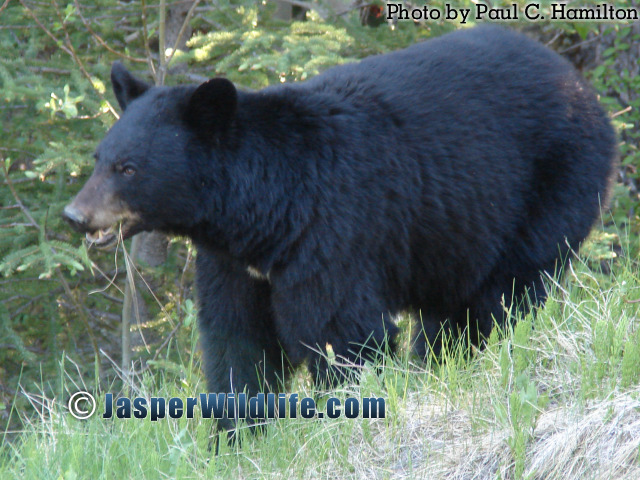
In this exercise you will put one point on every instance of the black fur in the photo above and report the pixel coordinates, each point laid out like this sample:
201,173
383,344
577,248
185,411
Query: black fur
437,179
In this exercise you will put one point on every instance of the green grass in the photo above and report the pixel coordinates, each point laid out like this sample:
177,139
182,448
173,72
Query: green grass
557,396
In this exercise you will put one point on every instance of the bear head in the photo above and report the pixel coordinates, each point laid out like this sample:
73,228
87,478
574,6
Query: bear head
153,169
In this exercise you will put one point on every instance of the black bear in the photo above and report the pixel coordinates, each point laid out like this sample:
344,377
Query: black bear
441,179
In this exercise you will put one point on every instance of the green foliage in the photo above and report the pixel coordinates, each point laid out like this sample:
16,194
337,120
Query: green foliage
621,88
630,368
260,57
56,104
524,401
260,52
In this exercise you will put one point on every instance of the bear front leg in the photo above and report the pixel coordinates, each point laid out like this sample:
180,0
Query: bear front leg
353,323
241,351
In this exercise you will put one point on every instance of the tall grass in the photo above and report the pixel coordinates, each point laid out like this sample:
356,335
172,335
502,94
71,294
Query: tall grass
555,396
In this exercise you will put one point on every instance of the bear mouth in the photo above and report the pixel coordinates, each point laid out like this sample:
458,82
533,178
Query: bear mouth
107,237
102,238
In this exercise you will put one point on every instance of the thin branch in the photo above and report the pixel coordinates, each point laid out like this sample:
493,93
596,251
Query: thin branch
55,71
25,152
21,180
99,39
621,112
9,183
49,293
111,297
11,346
45,29
111,281
167,339
145,38
180,316
81,313
162,31
184,271
183,28
130,304
67,49
146,284
16,224
77,60
579,44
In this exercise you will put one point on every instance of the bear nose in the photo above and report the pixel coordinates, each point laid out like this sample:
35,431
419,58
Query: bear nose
75,218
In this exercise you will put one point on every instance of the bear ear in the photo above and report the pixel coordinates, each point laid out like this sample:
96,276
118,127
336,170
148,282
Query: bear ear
126,87
212,107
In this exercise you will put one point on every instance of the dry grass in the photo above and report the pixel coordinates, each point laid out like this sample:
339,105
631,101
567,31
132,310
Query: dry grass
602,441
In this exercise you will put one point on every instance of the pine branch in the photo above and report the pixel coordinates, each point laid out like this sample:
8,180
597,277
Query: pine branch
71,51
65,284
101,41
9,183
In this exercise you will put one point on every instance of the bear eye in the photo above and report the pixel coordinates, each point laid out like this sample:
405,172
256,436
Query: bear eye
128,170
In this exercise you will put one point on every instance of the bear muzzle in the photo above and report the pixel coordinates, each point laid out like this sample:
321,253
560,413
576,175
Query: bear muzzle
101,237
75,218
